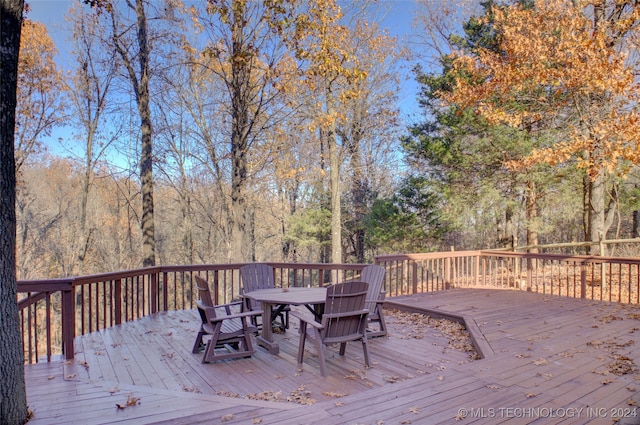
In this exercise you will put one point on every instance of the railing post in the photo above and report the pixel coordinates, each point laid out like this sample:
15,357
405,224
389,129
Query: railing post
117,301
68,323
583,280
165,291
530,274
216,292
447,273
153,292
415,277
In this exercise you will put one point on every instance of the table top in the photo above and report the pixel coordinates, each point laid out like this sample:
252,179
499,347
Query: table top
291,296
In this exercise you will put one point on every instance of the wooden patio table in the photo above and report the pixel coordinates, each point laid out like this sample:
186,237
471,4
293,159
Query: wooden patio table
312,298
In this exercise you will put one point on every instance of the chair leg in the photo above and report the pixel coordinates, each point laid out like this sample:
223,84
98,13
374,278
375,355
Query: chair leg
207,351
247,337
198,345
383,324
365,349
321,353
343,348
303,338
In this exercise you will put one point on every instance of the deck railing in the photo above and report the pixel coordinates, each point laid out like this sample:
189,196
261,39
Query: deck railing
54,311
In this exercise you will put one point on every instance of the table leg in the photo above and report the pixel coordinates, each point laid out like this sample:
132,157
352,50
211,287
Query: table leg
265,339
317,310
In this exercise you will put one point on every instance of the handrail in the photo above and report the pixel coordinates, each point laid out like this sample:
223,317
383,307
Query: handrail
54,311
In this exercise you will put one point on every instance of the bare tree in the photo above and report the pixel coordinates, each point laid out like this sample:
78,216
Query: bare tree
244,52
132,44
91,84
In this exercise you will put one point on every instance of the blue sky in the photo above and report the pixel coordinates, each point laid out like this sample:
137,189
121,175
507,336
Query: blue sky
398,19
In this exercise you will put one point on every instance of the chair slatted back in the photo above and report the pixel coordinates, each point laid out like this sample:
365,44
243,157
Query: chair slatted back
256,276
374,275
343,311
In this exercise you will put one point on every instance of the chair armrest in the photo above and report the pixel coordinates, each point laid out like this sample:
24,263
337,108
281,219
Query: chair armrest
345,314
307,318
380,299
237,315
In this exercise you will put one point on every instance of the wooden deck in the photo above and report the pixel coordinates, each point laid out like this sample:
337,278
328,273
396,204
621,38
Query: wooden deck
549,360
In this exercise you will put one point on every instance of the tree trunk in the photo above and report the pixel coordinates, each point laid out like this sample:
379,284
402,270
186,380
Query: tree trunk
532,215
13,399
241,248
334,181
146,151
586,208
597,213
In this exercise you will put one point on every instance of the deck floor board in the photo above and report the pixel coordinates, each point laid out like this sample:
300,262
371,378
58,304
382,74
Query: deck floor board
546,352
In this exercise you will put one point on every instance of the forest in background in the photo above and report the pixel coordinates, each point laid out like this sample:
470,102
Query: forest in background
271,131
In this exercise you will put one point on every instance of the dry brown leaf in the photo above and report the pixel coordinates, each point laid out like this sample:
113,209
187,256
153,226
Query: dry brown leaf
131,401
227,417
336,395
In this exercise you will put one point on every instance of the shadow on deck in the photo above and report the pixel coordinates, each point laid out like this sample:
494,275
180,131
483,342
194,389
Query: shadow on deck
547,360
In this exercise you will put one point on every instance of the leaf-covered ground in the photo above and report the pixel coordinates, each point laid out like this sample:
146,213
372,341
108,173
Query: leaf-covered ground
417,325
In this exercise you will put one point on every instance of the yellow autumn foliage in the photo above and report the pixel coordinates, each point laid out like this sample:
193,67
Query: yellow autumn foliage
556,59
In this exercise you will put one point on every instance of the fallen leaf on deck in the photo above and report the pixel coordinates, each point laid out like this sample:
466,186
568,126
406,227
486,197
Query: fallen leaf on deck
414,409
256,420
227,417
227,394
332,394
131,401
